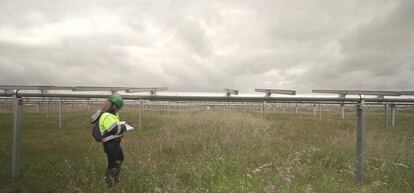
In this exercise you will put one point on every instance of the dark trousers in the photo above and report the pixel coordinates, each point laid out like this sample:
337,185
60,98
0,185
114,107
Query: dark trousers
114,154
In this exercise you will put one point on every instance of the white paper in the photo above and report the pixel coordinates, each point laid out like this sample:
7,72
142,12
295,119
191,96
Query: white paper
129,127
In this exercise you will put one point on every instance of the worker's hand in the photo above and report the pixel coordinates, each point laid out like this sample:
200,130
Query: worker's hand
127,126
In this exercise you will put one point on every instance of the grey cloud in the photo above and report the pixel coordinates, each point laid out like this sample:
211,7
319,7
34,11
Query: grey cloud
209,45
377,54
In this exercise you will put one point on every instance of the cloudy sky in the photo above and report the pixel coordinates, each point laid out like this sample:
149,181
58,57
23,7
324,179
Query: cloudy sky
209,45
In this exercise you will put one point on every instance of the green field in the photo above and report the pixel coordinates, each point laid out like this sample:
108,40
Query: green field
213,151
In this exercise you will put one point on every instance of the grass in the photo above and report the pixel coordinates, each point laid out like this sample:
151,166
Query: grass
213,151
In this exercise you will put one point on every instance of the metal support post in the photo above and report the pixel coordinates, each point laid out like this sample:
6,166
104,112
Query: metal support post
320,111
360,143
17,125
168,107
60,113
140,114
385,117
47,109
393,115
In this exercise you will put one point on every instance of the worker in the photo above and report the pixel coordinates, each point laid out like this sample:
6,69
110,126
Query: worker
111,130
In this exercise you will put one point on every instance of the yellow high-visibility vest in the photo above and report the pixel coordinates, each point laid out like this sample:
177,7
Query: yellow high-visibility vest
107,122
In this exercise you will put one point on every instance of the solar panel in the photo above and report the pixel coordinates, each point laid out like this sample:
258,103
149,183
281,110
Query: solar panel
98,88
275,91
359,92
55,88
151,90
231,92
134,90
19,87
15,87
407,92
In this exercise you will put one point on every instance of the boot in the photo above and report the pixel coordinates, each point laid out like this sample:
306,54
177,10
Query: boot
118,170
109,178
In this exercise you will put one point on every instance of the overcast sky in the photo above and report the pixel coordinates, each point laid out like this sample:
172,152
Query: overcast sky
209,45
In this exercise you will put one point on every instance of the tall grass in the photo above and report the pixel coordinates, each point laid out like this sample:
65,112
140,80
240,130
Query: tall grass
213,151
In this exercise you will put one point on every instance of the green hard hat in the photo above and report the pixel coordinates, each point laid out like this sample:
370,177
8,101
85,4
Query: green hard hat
117,100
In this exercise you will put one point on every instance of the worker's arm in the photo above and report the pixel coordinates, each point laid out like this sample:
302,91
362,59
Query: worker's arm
96,116
116,129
